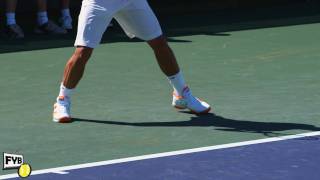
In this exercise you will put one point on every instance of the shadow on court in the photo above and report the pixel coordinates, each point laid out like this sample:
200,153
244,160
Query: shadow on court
218,123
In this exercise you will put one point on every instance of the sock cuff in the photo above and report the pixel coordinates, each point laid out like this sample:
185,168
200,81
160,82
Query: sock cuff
10,14
179,74
42,13
65,12
65,91
178,83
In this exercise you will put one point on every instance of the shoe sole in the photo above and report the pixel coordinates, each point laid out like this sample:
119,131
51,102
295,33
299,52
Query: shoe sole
63,120
42,32
202,112
192,111
179,107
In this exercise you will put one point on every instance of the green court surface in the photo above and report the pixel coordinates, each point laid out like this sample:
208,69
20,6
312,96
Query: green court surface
261,83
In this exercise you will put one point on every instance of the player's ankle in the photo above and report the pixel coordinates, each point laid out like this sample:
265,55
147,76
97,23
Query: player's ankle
65,92
65,12
178,83
11,18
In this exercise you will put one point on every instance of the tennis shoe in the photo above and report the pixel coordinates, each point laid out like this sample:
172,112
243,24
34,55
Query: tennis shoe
50,28
188,101
14,31
61,110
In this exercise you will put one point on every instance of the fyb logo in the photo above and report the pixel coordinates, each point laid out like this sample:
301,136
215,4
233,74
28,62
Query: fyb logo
12,161
15,161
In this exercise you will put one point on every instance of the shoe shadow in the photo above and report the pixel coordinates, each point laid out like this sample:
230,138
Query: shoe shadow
218,123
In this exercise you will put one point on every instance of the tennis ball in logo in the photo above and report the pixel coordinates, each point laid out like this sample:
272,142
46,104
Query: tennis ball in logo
24,170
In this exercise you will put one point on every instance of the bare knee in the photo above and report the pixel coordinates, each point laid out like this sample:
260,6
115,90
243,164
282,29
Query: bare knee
158,43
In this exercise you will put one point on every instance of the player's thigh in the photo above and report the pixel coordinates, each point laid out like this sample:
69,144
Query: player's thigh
138,20
92,23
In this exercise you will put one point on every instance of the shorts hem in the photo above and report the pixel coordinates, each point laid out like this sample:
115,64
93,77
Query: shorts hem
85,45
152,36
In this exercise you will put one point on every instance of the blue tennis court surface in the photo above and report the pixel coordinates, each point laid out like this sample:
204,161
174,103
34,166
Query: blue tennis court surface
292,159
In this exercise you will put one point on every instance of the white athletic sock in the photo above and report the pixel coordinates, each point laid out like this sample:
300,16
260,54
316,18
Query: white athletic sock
65,13
11,18
42,18
65,91
177,83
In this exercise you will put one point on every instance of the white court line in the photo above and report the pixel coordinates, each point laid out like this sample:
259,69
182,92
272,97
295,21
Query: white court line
60,172
63,169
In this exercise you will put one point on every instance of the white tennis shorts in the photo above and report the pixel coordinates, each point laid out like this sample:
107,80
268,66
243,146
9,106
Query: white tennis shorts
134,16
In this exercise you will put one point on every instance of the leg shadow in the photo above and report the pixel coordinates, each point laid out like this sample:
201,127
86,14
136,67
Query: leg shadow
218,123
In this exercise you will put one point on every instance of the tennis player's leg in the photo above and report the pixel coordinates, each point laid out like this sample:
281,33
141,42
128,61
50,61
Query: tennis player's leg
66,19
138,20
92,23
12,30
44,25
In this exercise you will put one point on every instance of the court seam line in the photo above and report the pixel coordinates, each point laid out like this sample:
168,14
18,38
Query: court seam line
63,169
